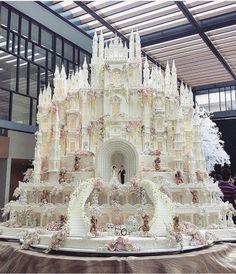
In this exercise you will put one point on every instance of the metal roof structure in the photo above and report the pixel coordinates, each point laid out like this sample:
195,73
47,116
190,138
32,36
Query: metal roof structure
199,35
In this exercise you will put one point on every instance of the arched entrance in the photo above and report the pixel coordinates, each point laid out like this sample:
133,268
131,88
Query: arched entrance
116,152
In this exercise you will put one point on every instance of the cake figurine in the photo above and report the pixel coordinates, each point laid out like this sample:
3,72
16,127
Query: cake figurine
93,226
176,224
195,199
178,177
45,196
157,162
145,227
62,175
200,176
77,163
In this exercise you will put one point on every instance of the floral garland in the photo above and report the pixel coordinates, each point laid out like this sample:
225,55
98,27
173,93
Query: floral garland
132,126
144,93
119,244
57,190
7,208
97,126
17,192
58,239
28,175
29,238
80,195
155,195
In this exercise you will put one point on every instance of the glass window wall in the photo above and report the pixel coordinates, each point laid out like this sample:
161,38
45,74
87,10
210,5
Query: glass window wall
217,99
20,109
28,55
4,104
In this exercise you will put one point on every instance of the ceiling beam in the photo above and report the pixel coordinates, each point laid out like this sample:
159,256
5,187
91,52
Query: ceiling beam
204,37
204,89
186,30
111,28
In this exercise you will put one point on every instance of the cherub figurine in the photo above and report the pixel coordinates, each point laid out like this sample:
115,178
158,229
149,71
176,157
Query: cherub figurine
93,226
157,162
195,198
62,176
77,163
200,176
178,178
176,224
62,221
45,196
145,227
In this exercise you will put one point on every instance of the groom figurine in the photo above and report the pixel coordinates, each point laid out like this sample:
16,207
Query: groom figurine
122,174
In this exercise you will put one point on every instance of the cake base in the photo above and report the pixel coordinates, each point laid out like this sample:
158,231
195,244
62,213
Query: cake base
98,245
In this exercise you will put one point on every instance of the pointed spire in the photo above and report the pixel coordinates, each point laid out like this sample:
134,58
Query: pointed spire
95,46
167,80
56,73
63,71
146,62
85,65
137,46
146,72
40,98
174,82
101,45
95,37
182,88
131,45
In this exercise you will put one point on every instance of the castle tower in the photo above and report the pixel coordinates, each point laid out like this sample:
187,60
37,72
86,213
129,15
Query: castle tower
174,85
54,155
131,46
37,158
179,142
146,74
101,46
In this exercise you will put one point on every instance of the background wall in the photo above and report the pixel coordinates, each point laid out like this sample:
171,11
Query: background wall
21,152
228,129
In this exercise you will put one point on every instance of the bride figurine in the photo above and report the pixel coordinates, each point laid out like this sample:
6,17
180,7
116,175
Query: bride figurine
114,178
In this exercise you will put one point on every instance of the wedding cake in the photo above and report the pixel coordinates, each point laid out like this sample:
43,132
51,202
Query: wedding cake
127,117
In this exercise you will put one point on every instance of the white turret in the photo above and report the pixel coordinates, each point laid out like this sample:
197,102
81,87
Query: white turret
167,80
154,78
54,155
131,46
95,47
85,74
40,100
161,81
179,141
182,97
101,46
174,85
37,158
146,73
137,47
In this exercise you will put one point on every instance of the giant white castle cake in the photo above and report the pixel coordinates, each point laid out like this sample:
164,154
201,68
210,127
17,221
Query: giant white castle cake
126,116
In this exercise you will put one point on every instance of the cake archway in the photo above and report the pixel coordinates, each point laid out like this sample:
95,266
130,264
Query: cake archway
116,152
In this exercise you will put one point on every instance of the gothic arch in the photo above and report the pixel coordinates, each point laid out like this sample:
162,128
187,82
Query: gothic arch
105,158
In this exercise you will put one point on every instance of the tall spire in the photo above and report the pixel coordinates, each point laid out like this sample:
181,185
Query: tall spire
95,46
174,83
137,46
146,72
167,80
101,45
131,45
182,89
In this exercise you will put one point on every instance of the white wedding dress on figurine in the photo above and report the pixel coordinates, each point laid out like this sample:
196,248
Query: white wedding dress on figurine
114,178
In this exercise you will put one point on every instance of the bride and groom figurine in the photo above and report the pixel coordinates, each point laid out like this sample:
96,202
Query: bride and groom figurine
120,173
